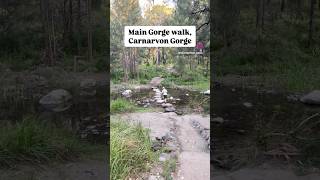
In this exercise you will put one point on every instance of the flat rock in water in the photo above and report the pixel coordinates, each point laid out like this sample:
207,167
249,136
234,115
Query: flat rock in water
170,109
159,101
57,100
311,98
165,105
248,104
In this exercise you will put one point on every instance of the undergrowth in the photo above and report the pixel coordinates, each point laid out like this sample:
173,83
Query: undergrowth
131,151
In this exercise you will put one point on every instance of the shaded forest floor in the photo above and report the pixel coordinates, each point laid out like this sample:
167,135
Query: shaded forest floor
252,120
20,94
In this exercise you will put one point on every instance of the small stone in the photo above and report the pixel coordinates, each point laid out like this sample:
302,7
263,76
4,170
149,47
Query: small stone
164,157
91,127
159,101
217,120
247,104
179,113
207,92
127,93
170,109
83,135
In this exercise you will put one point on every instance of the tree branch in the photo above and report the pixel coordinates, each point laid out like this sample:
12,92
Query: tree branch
205,9
204,24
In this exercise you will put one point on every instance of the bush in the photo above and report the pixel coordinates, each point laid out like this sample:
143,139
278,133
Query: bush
121,105
35,142
130,149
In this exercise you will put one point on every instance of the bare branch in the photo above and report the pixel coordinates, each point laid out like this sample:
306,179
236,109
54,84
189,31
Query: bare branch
204,24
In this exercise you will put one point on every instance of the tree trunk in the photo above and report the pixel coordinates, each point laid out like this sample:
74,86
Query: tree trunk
311,24
79,27
70,22
263,12
163,54
89,11
258,13
283,5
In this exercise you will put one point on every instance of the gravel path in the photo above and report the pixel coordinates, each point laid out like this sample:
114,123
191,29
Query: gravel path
193,156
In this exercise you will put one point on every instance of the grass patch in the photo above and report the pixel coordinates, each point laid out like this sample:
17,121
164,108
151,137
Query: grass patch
36,142
130,149
169,167
121,105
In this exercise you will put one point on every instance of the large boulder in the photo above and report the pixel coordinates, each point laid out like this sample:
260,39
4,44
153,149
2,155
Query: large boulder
156,81
311,98
57,100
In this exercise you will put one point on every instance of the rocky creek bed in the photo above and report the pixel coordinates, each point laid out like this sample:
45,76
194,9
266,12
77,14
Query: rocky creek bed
76,101
178,129
251,127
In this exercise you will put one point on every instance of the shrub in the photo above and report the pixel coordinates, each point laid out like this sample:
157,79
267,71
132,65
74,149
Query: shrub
130,149
121,105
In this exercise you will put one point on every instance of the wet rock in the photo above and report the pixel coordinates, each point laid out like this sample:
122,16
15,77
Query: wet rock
248,104
171,146
219,120
312,98
127,93
169,136
293,97
179,112
156,81
88,87
165,105
207,92
160,101
156,145
170,109
57,100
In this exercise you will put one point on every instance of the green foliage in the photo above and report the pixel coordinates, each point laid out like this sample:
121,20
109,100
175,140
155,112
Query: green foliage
121,105
130,149
36,142
168,168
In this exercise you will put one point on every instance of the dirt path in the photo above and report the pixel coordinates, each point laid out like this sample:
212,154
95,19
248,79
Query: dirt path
193,156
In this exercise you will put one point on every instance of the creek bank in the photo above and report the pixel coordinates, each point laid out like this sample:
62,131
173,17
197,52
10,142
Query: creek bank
257,123
75,101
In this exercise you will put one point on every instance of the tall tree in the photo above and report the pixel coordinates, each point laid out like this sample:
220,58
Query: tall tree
311,22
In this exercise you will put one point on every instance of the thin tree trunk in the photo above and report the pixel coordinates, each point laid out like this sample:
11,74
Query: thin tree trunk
89,11
311,24
79,27
283,5
70,19
263,12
